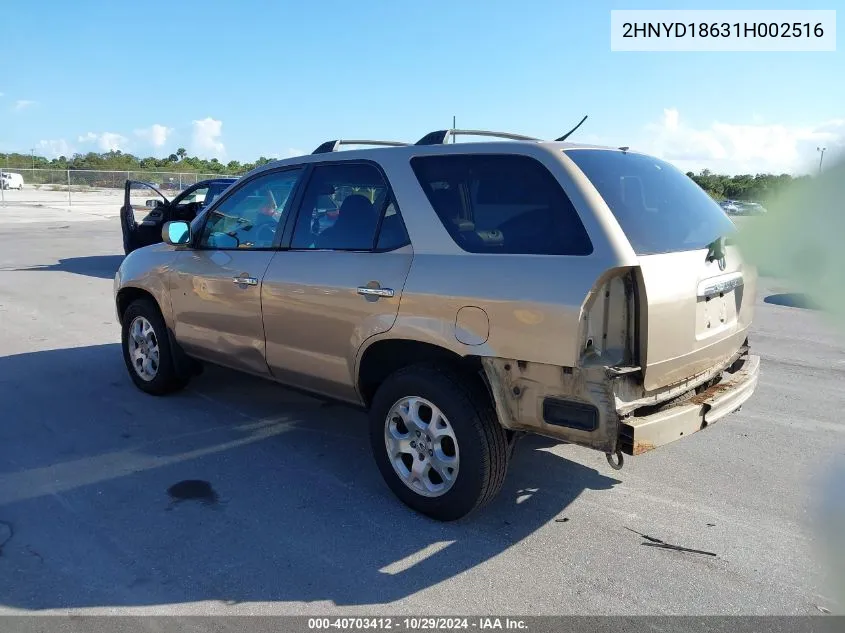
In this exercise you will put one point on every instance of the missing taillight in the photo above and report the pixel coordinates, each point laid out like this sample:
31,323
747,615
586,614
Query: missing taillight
608,328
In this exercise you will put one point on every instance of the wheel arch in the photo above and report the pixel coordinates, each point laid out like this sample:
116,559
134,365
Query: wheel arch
384,357
145,275
184,365
129,294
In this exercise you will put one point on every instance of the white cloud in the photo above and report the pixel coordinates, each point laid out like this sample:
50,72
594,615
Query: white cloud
156,134
56,147
107,141
733,148
206,138
23,104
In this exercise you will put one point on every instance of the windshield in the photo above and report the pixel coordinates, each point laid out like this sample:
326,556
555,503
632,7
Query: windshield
660,209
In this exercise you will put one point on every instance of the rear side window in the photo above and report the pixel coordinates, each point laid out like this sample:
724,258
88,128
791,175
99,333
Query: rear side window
491,203
344,207
660,209
392,234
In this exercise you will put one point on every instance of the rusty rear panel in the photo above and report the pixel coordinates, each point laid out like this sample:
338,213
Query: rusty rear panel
662,425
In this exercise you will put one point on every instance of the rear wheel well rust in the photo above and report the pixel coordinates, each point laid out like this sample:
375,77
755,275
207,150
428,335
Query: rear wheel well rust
383,358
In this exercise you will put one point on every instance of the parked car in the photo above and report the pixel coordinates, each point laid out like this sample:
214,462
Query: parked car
11,180
751,208
141,224
467,294
729,206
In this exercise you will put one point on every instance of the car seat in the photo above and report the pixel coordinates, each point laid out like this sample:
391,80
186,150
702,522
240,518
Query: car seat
354,228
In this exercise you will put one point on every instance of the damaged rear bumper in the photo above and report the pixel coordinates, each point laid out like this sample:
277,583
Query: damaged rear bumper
606,409
638,434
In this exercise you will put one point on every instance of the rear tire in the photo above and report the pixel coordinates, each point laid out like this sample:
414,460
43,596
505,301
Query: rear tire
447,403
147,351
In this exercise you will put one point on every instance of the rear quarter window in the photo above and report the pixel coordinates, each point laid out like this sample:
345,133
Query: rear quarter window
660,209
501,203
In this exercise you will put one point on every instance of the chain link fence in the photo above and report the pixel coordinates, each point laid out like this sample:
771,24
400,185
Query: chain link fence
69,187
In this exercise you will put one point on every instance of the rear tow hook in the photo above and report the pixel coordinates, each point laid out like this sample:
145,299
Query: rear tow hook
620,461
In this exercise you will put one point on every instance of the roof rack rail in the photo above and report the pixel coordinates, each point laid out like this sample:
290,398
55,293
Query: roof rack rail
441,136
332,146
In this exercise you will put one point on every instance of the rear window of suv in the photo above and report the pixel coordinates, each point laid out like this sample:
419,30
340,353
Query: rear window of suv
660,209
501,203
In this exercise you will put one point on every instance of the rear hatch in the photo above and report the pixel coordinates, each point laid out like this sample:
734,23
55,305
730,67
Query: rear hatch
696,295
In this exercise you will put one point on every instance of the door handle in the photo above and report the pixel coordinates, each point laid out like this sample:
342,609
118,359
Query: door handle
245,281
375,292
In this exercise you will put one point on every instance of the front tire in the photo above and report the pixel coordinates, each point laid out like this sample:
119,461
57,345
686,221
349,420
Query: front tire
437,441
147,351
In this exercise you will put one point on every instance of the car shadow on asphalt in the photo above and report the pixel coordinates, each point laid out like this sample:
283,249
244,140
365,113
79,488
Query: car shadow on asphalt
101,266
294,508
791,300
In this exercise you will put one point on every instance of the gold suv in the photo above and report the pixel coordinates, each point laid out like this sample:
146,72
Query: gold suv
465,294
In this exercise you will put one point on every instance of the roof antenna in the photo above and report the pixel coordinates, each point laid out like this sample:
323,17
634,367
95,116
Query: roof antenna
566,136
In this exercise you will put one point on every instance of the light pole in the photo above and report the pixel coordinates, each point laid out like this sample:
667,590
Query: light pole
821,158
32,156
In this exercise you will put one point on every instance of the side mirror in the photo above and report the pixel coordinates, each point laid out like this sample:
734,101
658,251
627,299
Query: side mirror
154,204
176,233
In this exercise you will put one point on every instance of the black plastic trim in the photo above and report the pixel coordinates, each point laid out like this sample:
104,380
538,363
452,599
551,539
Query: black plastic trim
570,414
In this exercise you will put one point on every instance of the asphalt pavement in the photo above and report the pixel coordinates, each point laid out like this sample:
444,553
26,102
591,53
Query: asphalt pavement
295,518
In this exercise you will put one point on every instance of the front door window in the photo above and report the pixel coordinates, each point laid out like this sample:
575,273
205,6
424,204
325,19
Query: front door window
250,217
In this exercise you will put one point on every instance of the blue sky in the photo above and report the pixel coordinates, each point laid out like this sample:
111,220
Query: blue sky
239,80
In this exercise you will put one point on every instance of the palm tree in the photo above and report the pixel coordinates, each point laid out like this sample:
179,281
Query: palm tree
181,153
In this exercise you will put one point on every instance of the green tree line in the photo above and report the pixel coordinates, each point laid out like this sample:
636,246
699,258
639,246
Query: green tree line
116,160
747,187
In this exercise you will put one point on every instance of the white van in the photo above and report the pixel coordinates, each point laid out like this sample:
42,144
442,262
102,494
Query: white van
11,180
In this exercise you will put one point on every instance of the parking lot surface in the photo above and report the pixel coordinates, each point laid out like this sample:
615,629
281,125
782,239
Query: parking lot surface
296,519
